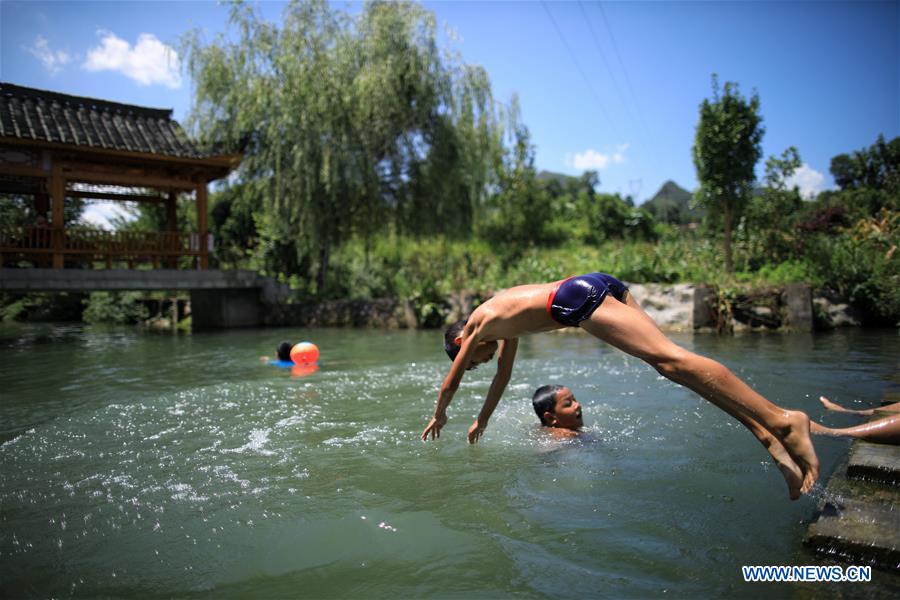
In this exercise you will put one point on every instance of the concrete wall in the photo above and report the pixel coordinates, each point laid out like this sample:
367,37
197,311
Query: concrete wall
219,299
219,309
95,280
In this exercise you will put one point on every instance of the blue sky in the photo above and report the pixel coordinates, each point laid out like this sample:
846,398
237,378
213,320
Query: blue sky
612,86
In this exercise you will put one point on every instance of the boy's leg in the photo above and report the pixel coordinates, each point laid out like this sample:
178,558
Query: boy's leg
628,328
829,405
886,430
789,469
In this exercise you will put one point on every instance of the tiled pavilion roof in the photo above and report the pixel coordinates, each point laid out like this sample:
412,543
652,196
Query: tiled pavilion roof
32,114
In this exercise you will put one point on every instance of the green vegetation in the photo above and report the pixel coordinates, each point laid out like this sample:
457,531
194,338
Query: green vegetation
377,164
727,147
120,308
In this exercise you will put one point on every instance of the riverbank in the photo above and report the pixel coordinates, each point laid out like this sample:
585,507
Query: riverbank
680,307
676,307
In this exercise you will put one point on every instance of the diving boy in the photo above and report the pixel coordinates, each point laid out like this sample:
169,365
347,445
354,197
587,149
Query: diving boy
602,305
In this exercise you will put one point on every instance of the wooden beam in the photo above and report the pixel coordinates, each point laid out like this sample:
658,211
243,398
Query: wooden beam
116,197
202,226
223,161
28,188
57,197
171,214
130,180
171,225
23,171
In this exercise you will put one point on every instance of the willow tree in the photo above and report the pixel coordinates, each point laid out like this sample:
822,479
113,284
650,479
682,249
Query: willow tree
350,125
727,146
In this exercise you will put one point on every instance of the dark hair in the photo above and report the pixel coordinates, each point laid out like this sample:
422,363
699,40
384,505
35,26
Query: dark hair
453,332
544,400
284,351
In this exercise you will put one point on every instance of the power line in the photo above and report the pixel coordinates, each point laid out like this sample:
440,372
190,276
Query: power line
615,46
616,85
578,66
603,57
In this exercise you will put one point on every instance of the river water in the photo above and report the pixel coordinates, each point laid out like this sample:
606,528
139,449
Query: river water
136,465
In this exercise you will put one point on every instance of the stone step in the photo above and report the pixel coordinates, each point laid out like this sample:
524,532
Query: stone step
860,530
875,462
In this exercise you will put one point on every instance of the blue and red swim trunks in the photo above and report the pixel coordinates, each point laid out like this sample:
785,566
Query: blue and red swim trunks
576,298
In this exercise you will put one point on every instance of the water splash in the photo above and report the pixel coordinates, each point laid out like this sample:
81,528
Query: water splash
832,504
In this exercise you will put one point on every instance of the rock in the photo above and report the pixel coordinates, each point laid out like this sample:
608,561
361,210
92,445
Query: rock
670,305
836,312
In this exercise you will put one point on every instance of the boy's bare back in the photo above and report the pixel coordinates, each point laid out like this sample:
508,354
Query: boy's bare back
512,313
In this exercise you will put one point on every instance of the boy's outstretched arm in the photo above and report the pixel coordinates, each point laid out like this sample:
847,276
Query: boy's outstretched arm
504,371
449,387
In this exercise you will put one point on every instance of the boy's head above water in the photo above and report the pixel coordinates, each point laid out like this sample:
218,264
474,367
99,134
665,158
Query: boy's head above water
284,351
556,406
483,353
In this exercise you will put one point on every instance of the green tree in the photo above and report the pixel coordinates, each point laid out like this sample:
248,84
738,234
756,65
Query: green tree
521,212
351,125
726,149
875,167
869,178
768,223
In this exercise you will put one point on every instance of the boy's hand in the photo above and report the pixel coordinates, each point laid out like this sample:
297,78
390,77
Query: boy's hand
476,431
434,427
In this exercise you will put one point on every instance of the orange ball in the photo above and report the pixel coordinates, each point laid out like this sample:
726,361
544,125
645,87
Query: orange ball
305,353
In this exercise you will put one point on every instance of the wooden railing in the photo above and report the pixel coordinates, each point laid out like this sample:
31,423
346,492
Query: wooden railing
90,245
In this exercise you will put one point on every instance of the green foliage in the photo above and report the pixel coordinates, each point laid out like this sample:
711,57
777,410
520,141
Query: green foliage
519,215
726,149
40,307
17,210
119,308
862,264
875,168
352,126
233,216
766,230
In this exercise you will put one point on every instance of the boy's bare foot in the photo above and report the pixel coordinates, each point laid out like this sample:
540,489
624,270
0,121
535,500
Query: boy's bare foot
829,405
793,476
798,444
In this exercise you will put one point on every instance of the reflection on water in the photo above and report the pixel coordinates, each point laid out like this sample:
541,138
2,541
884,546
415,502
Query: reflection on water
136,465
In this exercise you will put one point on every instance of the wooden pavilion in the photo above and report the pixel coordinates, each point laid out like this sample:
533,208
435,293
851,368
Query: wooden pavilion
55,146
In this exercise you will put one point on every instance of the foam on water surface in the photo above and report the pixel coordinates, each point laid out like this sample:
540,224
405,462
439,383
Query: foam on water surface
229,474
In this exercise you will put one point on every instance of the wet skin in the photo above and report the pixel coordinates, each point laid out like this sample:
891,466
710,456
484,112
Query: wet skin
623,324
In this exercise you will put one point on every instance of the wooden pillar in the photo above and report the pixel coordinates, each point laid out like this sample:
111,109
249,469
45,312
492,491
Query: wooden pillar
171,244
57,197
202,225
42,202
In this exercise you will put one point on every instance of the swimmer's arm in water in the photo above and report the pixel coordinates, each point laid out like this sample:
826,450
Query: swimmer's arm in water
504,372
470,341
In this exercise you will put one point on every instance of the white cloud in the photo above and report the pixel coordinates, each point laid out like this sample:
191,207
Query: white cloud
149,62
101,213
810,181
595,160
53,61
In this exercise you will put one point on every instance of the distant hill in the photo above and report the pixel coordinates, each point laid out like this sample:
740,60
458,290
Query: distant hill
672,204
550,175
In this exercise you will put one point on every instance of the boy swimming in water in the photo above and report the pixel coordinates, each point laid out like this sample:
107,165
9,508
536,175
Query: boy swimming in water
601,305
282,356
558,409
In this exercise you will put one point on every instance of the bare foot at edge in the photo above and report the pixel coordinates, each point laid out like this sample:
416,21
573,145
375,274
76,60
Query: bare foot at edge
799,445
829,405
792,474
